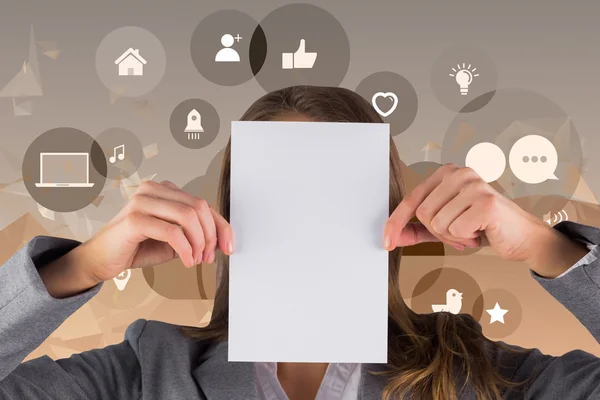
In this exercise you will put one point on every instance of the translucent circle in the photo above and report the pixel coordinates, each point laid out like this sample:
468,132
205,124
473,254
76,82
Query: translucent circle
412,176
461,75
502,313
171,279
123,152
393,97
194,123
553,209
228,47
64,169
434,293
132,293
307,46
487,160
130,61
514,114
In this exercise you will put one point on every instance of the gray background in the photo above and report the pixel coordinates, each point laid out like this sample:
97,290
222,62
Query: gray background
549,49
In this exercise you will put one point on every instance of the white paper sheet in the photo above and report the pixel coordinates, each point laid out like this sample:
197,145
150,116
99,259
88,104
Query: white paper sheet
309,274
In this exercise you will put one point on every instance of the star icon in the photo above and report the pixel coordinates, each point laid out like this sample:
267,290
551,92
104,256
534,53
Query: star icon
496,314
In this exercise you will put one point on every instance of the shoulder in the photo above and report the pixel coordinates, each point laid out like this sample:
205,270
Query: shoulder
147,336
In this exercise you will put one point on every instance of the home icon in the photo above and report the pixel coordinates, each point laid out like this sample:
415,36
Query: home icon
131,63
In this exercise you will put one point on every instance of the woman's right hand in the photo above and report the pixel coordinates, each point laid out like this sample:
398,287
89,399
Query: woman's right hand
160,222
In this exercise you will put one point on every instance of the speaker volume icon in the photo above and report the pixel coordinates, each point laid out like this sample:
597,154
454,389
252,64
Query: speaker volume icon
194,125
552,219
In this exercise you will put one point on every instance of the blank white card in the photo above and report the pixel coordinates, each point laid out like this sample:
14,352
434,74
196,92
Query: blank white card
309,274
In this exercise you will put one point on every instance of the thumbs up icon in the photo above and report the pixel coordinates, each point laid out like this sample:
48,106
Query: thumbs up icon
299,59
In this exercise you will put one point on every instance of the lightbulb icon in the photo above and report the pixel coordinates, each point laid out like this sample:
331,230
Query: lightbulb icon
464,76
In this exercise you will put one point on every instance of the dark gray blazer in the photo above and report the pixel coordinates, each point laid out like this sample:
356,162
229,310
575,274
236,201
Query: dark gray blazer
155,361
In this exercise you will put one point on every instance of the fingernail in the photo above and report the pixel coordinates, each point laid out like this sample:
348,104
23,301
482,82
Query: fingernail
211,257
459,247
192,262
386,242
229,247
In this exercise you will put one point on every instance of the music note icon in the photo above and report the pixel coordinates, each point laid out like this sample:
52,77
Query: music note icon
120,156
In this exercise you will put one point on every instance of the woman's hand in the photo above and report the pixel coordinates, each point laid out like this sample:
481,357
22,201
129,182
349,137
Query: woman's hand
159,223
457,207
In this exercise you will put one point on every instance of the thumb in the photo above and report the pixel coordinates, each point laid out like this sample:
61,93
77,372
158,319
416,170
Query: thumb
414,233
302,47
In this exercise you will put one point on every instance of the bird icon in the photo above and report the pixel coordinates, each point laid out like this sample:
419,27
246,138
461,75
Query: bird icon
453,302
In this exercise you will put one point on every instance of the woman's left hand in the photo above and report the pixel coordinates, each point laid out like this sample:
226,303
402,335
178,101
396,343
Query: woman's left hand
457,207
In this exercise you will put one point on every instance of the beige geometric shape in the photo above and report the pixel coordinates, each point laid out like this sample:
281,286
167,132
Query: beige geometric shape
116,94
186,313
22,107
61,352
584,193
22,84
33,59
149,178
151,150
44,212
465,133
85,342
205,320
27,82
431,145
72,220
48,45
52,54
98,200
17,234
85,324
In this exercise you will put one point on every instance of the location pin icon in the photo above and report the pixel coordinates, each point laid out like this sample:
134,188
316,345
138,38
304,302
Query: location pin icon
122,279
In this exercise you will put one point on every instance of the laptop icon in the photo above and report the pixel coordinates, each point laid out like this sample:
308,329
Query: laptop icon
64,170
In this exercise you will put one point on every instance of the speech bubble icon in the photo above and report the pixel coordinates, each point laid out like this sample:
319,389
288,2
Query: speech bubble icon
487,160
122,279
533,159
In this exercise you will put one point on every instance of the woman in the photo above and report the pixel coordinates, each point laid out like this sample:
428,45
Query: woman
436,356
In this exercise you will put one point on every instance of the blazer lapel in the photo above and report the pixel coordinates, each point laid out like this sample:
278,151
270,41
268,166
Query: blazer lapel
371,386
221,379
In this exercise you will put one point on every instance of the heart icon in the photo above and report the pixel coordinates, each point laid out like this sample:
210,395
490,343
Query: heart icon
386,95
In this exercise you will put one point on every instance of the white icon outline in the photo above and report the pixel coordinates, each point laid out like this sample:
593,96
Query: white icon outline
300,59
497,314
120,156
385,95
194,125
227,54
131,63
464,76
44,184
523,159
556,218
453,303
121,283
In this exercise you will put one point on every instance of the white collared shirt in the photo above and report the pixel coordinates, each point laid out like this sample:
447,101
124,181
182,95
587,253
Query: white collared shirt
340,382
